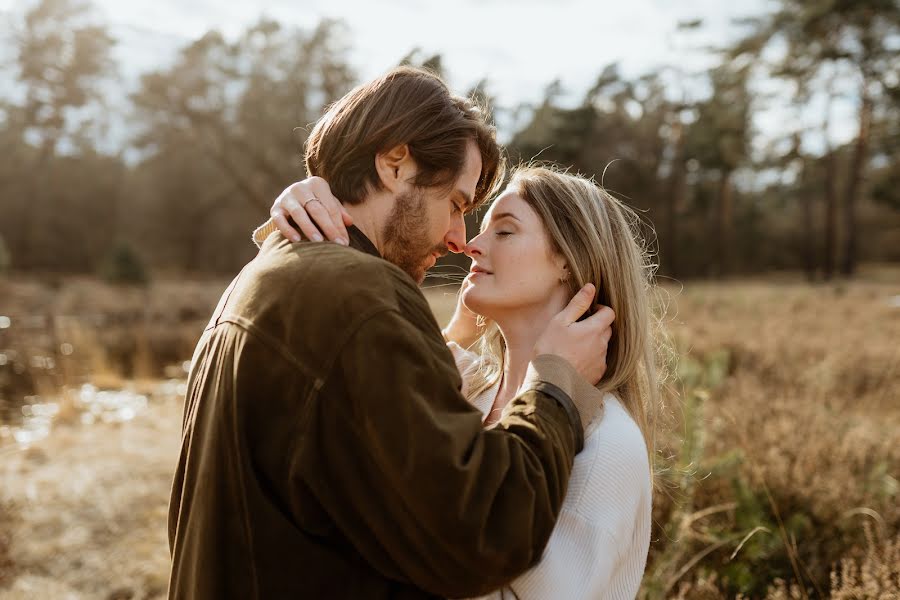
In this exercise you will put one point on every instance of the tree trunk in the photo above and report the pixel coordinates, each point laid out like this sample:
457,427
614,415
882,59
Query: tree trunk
807,223
809,244
830,215
854,178
35,217
809,249
723,224
672,201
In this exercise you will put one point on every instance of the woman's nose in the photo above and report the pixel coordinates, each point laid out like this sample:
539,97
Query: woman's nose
473,248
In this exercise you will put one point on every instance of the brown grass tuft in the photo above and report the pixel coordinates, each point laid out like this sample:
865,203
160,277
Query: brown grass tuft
780,463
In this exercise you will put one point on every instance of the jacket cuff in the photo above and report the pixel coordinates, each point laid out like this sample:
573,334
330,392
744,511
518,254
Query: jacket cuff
262,232
576,393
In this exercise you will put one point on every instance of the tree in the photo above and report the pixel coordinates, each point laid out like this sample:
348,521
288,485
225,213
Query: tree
223,134
851,37
719,141
61,55
629,135
246,105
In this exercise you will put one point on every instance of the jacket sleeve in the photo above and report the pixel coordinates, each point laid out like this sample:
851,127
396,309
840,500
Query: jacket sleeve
416,485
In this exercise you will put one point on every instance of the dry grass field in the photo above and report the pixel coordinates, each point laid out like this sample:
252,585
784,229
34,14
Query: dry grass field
779,472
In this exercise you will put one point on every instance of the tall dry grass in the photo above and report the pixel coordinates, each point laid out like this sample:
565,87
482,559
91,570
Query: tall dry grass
782,446
780,459
786,444
62,332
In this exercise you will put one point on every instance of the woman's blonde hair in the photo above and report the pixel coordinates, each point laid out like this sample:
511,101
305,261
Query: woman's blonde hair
601,241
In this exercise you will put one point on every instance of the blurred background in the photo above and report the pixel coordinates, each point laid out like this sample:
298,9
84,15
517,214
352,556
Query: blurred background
143,141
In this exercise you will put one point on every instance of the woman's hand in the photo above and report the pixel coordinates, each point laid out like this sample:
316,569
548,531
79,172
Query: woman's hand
315,211
463,328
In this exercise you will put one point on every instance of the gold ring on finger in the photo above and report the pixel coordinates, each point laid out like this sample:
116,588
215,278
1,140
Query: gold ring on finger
307,201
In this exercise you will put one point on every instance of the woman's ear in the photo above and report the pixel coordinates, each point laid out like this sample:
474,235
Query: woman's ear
395,167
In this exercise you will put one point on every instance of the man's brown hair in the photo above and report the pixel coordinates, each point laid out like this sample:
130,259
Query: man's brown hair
405,106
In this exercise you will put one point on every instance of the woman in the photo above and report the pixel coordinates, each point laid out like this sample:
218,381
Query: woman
547,235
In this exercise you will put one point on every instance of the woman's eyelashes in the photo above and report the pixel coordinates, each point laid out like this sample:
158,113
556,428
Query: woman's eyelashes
502,233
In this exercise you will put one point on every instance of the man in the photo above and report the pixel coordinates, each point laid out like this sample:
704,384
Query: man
327,451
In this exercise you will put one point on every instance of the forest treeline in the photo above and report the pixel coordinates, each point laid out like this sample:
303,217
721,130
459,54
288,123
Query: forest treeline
215,135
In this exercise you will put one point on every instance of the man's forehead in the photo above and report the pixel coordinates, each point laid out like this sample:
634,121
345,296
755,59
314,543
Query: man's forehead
468,179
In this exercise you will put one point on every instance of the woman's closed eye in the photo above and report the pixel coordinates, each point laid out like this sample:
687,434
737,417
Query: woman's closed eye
503,233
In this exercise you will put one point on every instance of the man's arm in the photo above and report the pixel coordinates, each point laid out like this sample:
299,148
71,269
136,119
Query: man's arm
414,482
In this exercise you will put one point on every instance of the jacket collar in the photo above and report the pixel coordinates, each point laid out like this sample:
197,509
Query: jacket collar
359,241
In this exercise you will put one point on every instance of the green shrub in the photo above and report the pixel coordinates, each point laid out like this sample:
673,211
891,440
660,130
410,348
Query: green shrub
5,258
124,266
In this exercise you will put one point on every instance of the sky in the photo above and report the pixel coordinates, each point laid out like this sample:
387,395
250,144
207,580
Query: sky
519,46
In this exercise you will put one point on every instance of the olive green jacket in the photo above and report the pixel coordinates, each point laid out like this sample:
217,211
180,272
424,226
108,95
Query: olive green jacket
328,453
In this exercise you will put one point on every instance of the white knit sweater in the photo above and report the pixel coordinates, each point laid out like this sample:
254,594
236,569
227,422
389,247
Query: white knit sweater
598,548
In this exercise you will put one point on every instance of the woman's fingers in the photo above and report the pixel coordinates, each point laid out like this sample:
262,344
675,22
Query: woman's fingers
323,219
315,210
280,211
284,226
335,229
298,214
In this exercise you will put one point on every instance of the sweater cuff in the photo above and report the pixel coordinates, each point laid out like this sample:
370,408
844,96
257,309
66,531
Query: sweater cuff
556,371
262,232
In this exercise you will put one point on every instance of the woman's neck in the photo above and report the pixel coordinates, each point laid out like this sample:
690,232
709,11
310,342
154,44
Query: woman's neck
521,331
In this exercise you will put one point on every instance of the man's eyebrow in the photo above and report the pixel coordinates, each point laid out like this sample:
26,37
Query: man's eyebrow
466,199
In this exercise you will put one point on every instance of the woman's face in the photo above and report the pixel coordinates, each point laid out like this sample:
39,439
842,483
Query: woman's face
513,265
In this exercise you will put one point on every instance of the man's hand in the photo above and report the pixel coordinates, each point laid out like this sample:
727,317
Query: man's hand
582,343
314,209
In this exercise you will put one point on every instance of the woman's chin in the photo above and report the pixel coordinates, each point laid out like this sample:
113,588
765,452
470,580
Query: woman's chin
470,300
476,304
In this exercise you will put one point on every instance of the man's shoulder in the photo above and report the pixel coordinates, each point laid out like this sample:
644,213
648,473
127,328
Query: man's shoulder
306,299
329,273
309,299
325,289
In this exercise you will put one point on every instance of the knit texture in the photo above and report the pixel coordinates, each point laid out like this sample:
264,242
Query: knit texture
599,546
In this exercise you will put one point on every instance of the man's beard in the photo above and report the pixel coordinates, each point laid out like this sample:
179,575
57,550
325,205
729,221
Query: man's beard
405,235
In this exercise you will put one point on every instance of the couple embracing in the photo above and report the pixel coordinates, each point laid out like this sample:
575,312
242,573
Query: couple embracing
338,444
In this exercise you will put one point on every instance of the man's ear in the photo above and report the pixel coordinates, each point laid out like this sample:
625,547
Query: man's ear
396,168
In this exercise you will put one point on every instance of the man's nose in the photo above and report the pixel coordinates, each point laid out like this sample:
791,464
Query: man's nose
456,235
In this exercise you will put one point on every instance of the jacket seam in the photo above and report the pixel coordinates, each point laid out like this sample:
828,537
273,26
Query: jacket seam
350,332
245,510
319,382
269,341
